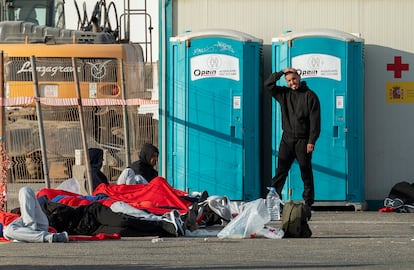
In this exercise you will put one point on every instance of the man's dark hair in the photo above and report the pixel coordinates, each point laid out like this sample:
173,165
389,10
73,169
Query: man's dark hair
291,72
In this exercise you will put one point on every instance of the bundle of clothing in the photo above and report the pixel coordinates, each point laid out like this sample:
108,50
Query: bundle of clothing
400,199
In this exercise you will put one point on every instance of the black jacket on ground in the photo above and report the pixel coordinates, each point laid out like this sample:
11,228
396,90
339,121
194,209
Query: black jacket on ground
97,218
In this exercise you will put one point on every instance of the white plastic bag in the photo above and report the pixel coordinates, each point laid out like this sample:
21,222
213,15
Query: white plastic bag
251,220
270,232
71,185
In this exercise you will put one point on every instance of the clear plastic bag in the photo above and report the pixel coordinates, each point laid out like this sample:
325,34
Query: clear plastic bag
251,220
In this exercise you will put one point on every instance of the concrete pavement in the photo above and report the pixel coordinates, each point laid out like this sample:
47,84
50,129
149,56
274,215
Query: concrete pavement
341,240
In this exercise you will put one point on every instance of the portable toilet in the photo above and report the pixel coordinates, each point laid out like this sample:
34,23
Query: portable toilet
212,113
332,64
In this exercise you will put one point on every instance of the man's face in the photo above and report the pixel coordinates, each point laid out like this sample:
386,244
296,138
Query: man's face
293,80
154,159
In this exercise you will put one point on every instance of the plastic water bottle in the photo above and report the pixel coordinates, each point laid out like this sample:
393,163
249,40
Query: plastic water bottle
273,204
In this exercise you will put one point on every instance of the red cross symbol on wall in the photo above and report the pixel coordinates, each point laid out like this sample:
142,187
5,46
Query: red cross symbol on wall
398,67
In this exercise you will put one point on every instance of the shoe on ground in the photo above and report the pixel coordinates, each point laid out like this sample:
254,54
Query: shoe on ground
220,206
62,237
172,224
180,223
190,219
393,203
204,195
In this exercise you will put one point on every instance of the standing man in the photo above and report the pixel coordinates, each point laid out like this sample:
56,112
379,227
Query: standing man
301,123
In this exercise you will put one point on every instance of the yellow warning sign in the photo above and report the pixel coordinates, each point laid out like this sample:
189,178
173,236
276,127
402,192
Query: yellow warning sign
399,92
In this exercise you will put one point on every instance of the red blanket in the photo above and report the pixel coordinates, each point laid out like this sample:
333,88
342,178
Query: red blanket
69,198
5,219
157,197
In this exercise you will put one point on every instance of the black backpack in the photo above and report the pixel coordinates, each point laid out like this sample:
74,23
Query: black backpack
403,191
294,220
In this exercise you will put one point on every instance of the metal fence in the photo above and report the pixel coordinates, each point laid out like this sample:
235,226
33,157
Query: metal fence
43,138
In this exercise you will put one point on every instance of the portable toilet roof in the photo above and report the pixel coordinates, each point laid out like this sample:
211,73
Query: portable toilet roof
226,33
332,33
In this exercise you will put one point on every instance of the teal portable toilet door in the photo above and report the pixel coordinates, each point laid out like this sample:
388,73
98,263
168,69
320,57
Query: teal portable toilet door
215,139
207,134
213,113
215,150
322,65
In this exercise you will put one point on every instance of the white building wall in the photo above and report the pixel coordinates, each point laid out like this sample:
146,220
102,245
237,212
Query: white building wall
388,30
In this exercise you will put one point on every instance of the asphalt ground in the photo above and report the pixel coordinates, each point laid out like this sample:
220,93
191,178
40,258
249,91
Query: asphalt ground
340,240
